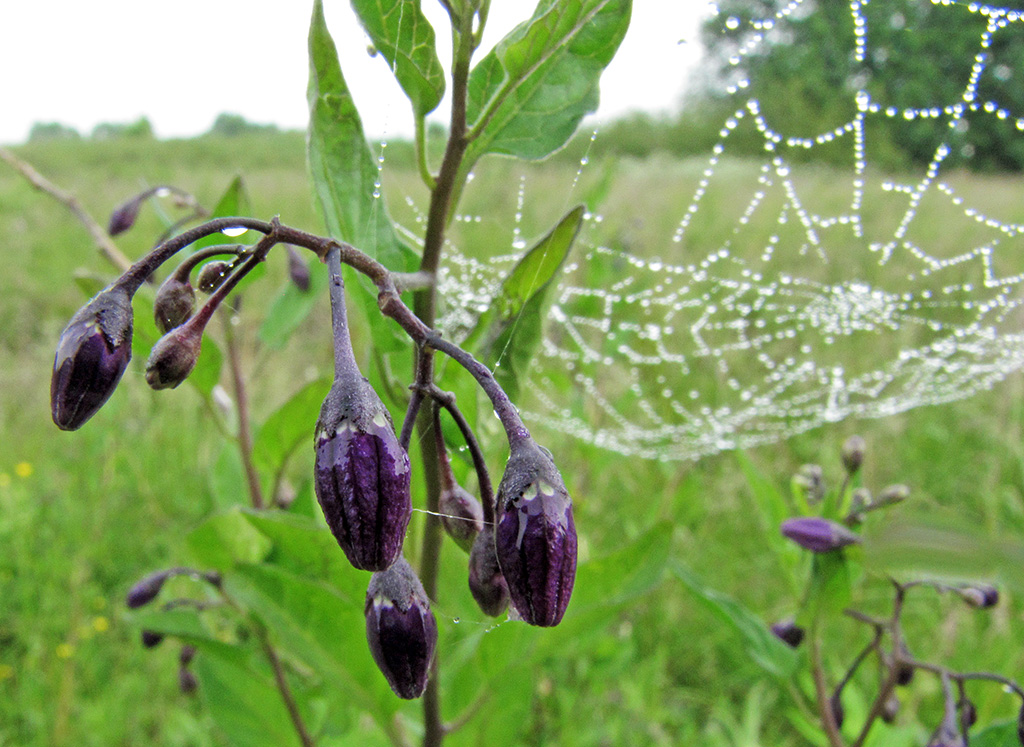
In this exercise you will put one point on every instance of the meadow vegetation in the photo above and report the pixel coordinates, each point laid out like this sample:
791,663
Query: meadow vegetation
83,515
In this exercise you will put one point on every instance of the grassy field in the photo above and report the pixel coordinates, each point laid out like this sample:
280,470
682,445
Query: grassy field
83,515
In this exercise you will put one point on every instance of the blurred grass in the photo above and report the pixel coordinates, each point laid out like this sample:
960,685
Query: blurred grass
83,515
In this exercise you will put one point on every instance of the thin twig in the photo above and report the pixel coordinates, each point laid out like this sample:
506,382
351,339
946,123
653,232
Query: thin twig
106,246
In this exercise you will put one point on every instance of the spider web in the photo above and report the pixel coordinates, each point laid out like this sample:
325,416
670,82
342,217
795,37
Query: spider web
801,311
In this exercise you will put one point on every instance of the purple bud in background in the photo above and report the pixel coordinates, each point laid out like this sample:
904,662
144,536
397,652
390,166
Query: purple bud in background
174,303
852,453
400,628
788,632
462,516
174,355
1020,726
486,582
124,215
835,703
817,534
151,639
187,681
948,732
146,589
361,475
298,270
92,354
890,709
979,596
535,539
186,655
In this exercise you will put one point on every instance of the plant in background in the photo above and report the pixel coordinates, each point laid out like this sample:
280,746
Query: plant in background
827,530
270,578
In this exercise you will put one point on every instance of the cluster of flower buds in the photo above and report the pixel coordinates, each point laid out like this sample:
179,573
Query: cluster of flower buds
521,542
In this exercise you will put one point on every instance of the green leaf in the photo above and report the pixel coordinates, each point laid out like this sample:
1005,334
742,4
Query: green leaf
290,426
528,95
512,325
830,581
233,202
206,375
226,539
1003,734
90,282
227,478
405,38
763,647
242,698
290,308
344,175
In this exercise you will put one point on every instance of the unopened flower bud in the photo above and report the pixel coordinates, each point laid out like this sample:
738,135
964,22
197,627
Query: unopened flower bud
187,681
175,301
92,354
462,516
1020,726
535,539
186,655
811,479
948,732
968,713
486,582
124,215
298,270
892,494
852,453
817,534
890,709
362,475
835,704
400,628
212,275
788,632
151,639
174,356
146,589
979,596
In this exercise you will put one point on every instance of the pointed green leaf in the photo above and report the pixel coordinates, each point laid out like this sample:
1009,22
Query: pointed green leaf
345,175
290,426
290,309
763,647
528,95
1003,734
405,38
511,327
226,539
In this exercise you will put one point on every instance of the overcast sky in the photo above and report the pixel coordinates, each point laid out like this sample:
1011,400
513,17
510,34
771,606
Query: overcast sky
182,63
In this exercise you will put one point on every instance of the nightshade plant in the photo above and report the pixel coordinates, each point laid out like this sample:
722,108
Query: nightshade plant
524,99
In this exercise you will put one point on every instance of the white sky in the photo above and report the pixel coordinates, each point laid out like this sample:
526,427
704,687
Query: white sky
183,63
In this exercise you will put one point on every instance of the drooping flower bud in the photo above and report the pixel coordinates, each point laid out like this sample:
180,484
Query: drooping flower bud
1020,726
298,270
187,682
968,713
535,540
852,453
462,516
186,655
979,596
810,478
948,732
174,303
835,704
124,215
788,632
400,628
174,355
146,589
362,475
212,275
151,639
92,354
890,709
818,535
892,494
486,582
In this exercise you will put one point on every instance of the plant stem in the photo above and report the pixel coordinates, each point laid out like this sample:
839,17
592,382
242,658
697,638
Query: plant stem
828,720
244,436
285,689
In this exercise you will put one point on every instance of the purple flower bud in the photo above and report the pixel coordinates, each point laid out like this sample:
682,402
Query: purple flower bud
968,713
400,628
212,276
174,355
835,704
486,582
92,354
362,476
979,596
146,589
892,494
151,639
535,540
810,478
462,516
948,732
852,453
298,270
1020,726
788,632
186,655
187,681
174,304
124,215
817,534
890,709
